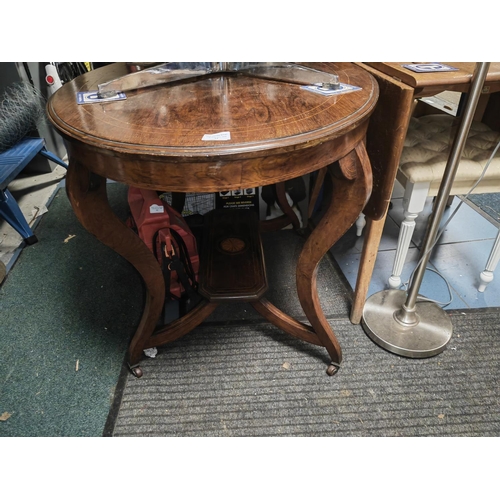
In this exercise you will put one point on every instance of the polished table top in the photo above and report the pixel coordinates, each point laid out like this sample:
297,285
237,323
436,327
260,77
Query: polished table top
167,123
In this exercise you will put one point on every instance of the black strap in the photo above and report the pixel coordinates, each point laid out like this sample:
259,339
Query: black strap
186,260
177,265
178,262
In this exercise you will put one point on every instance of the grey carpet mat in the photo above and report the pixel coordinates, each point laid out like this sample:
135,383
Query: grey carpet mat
254,380
236,375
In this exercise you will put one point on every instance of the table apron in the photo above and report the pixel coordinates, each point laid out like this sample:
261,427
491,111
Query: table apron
214,173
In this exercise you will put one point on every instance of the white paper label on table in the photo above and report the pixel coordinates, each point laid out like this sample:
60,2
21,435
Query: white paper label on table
220,136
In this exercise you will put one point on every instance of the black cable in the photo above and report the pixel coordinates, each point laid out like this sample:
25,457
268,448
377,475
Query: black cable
28,72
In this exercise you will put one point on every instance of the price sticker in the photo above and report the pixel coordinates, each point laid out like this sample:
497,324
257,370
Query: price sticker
429,67
93,97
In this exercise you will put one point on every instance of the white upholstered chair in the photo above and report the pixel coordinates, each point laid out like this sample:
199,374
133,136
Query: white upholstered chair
421,169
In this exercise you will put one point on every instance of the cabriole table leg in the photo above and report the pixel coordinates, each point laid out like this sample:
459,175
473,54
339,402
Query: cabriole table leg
87,194
351,189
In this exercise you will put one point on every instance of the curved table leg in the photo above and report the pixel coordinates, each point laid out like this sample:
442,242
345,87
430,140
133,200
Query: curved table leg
284,220
87,194
181,326
285,322
318,183
351,190
271,225
285,207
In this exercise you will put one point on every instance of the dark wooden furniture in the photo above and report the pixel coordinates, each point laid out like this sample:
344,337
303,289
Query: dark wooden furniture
233,268
153,139
399,87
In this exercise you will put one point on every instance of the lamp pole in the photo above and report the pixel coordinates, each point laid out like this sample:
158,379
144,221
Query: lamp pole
393,318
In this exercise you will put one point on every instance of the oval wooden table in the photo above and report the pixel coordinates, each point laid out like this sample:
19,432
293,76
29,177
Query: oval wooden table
278,131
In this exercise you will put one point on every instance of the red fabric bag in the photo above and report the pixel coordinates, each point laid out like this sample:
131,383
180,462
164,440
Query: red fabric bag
168,236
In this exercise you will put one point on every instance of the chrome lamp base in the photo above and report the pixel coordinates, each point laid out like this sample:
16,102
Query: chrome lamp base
425,334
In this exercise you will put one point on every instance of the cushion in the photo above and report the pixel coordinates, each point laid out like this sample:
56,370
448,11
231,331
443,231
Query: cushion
426,150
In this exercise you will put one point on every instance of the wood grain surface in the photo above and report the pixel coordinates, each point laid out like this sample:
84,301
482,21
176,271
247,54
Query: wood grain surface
171,119
153,139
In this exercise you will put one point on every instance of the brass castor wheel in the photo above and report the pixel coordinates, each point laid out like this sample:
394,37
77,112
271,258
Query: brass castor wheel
332,369
136,371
